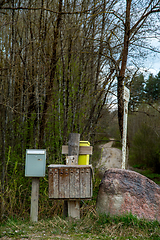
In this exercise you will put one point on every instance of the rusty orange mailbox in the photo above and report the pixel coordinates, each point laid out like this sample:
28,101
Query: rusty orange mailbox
70,181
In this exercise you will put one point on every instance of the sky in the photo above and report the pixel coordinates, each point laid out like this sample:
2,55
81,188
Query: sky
152,63
150,66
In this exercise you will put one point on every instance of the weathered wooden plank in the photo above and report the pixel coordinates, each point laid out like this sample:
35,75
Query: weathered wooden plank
82,149
68,166
66,183
72,183
61,183
91,182
82,183
73,144
85,150
77,180
64,149
74,209
88,182
55,183
34,199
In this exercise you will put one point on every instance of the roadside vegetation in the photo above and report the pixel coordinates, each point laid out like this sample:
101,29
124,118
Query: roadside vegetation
91,226
52,225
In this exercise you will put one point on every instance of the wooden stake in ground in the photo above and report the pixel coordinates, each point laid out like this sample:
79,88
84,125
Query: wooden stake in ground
73,150
124,137
34,199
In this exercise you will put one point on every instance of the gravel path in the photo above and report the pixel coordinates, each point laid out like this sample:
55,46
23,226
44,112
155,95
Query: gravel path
110,157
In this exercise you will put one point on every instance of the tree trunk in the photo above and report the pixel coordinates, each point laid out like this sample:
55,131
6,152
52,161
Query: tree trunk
123,67
49,89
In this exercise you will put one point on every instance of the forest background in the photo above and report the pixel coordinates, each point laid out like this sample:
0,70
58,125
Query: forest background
63,65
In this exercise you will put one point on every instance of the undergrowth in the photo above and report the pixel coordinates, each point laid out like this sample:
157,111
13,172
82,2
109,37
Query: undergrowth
90,226
15,210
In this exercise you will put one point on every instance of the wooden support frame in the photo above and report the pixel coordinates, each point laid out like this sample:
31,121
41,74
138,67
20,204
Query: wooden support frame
72,181
34,199
73,150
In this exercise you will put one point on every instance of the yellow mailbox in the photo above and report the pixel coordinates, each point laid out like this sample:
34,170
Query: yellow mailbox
83,159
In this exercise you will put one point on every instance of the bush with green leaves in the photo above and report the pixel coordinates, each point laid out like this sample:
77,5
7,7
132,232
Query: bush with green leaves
145,149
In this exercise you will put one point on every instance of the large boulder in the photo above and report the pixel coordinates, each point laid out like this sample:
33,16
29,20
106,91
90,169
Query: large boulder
123,191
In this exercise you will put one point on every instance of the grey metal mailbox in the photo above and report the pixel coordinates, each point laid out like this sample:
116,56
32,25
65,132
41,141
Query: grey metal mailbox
35,163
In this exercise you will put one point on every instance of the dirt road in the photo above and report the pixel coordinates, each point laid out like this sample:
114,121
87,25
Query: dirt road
110,157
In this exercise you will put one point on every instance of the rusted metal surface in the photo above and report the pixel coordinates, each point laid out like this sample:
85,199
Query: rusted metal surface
70,181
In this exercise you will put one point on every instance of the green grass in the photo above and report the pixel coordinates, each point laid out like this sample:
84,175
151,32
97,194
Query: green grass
91,226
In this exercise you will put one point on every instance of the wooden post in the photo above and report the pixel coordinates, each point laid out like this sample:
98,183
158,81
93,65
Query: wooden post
125,115
34,199
73,150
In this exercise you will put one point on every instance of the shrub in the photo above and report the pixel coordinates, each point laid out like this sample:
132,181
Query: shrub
146,148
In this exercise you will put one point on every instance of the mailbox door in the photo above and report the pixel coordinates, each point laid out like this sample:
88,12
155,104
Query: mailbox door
35,165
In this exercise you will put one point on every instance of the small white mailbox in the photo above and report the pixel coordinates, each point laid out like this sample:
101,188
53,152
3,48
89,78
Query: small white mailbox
35,163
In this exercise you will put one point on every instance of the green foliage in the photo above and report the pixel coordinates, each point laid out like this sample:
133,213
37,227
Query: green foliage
136,92
146,148
142,90
16,192
152,88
